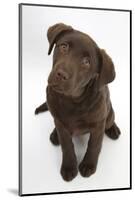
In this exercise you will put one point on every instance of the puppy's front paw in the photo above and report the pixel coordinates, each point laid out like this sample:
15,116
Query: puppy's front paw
86,169
68,173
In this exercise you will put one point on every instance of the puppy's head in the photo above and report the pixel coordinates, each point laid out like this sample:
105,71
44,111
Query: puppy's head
77,61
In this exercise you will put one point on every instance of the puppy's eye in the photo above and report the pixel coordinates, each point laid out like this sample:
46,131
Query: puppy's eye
64,47
86,62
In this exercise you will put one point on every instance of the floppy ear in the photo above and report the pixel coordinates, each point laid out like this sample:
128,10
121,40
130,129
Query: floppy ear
54,32
107,71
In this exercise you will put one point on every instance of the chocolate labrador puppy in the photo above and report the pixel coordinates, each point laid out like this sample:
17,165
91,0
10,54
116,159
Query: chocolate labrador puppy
78,97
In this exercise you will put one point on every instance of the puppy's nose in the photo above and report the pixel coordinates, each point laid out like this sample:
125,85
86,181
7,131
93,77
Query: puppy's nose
62,75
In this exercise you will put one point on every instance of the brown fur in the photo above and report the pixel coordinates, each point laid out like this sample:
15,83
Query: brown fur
78,97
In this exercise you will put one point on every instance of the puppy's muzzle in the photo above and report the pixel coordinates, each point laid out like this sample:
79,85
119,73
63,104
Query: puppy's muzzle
61,75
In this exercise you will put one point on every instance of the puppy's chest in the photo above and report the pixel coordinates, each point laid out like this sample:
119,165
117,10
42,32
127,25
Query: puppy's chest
63,109
75,118
77,125
78,118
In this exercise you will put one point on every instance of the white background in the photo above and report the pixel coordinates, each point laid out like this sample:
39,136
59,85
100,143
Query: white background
42,161
9,102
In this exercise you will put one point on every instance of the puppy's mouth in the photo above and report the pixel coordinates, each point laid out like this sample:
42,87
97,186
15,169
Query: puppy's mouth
56,88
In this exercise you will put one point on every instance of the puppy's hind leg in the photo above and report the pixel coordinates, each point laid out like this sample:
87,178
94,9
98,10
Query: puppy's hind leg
54,137
111,129
42,108
113,132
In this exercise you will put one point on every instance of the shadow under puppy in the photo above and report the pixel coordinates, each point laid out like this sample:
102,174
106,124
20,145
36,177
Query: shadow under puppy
78,97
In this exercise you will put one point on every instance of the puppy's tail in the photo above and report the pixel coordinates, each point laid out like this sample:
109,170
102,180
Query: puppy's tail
42,108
